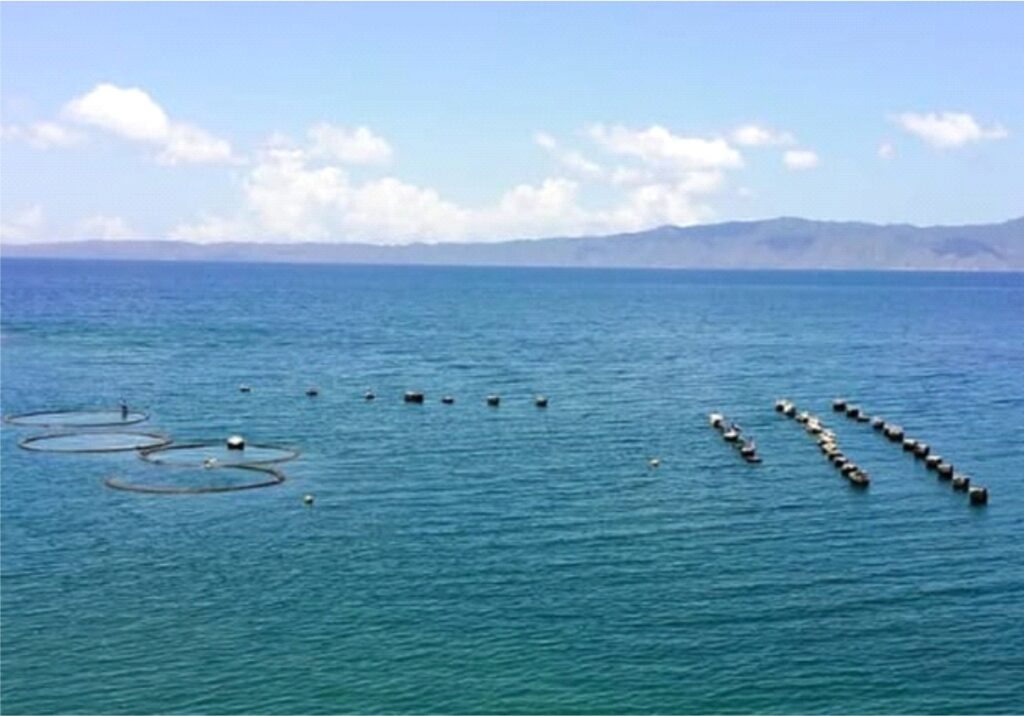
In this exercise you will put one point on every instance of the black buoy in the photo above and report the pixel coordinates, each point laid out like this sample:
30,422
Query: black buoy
448,400
312,391
878,423
978,495
839,405
243,388
369,395
413,396
858,478
922,450
961,482
945,471
494,400
235,442
932,461
909,444
541,401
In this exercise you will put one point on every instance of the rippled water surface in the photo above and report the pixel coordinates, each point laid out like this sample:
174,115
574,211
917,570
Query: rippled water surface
463,558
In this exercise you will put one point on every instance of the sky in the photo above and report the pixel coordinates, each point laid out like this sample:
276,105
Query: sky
394,123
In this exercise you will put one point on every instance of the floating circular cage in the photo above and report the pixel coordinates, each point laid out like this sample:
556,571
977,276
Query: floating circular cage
215,453
94,442
165,480
73,419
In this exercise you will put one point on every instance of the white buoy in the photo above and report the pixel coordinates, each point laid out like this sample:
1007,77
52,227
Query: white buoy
210,462
307,499
541,401
243,388
654,462
235,442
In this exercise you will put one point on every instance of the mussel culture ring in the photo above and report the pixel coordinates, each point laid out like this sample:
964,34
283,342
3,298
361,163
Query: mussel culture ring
169,455
143,441
273,477
102,418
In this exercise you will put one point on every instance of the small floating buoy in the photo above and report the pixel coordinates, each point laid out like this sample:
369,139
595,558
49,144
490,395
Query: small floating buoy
932,461
790,410
945,471
961,482
654,463
369,395
862,417
840,461
448,400
877,422
839,405
209,463
731,435
307,499
717,420
859,478
494,400
312,391
921,450
541,401
412,396
894,432
803,417
852,411
978,495
909,444
849,468
243,388
780,405
235,442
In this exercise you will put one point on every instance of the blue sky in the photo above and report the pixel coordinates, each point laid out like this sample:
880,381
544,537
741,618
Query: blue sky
400,122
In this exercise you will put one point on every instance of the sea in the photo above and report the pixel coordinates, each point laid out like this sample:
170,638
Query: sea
466,558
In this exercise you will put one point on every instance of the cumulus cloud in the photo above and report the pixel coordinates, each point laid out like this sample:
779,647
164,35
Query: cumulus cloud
755,135
658,146
25,225
948,130
886,150
42,135
304,191
130,113
105,227
800,159
349,146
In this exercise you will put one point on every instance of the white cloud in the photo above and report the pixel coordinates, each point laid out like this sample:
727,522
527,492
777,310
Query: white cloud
105,227
948,129
131,113
42,135
754,135
349,146
886,150
658,146
128,112
800,159
296,192
26,225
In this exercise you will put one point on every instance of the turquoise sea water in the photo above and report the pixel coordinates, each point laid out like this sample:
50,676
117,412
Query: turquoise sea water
471,559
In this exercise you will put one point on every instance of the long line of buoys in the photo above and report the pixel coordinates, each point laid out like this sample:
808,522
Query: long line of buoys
415,396
732,434
827,441
921,450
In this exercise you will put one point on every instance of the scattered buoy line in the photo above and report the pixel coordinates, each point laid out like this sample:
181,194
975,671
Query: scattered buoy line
828,441
732,433
921,450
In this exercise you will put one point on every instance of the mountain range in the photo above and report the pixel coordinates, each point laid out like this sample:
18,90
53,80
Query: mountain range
783,243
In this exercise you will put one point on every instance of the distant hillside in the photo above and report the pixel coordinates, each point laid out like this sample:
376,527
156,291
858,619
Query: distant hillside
784,243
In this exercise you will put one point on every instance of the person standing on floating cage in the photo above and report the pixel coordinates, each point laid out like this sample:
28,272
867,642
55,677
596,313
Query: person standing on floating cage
124,409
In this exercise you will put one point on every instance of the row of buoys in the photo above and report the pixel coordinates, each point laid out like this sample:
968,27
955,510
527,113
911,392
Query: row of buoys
827,441
415,396
977,494
731,433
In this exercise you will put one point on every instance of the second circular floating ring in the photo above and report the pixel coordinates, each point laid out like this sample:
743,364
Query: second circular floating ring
209,453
